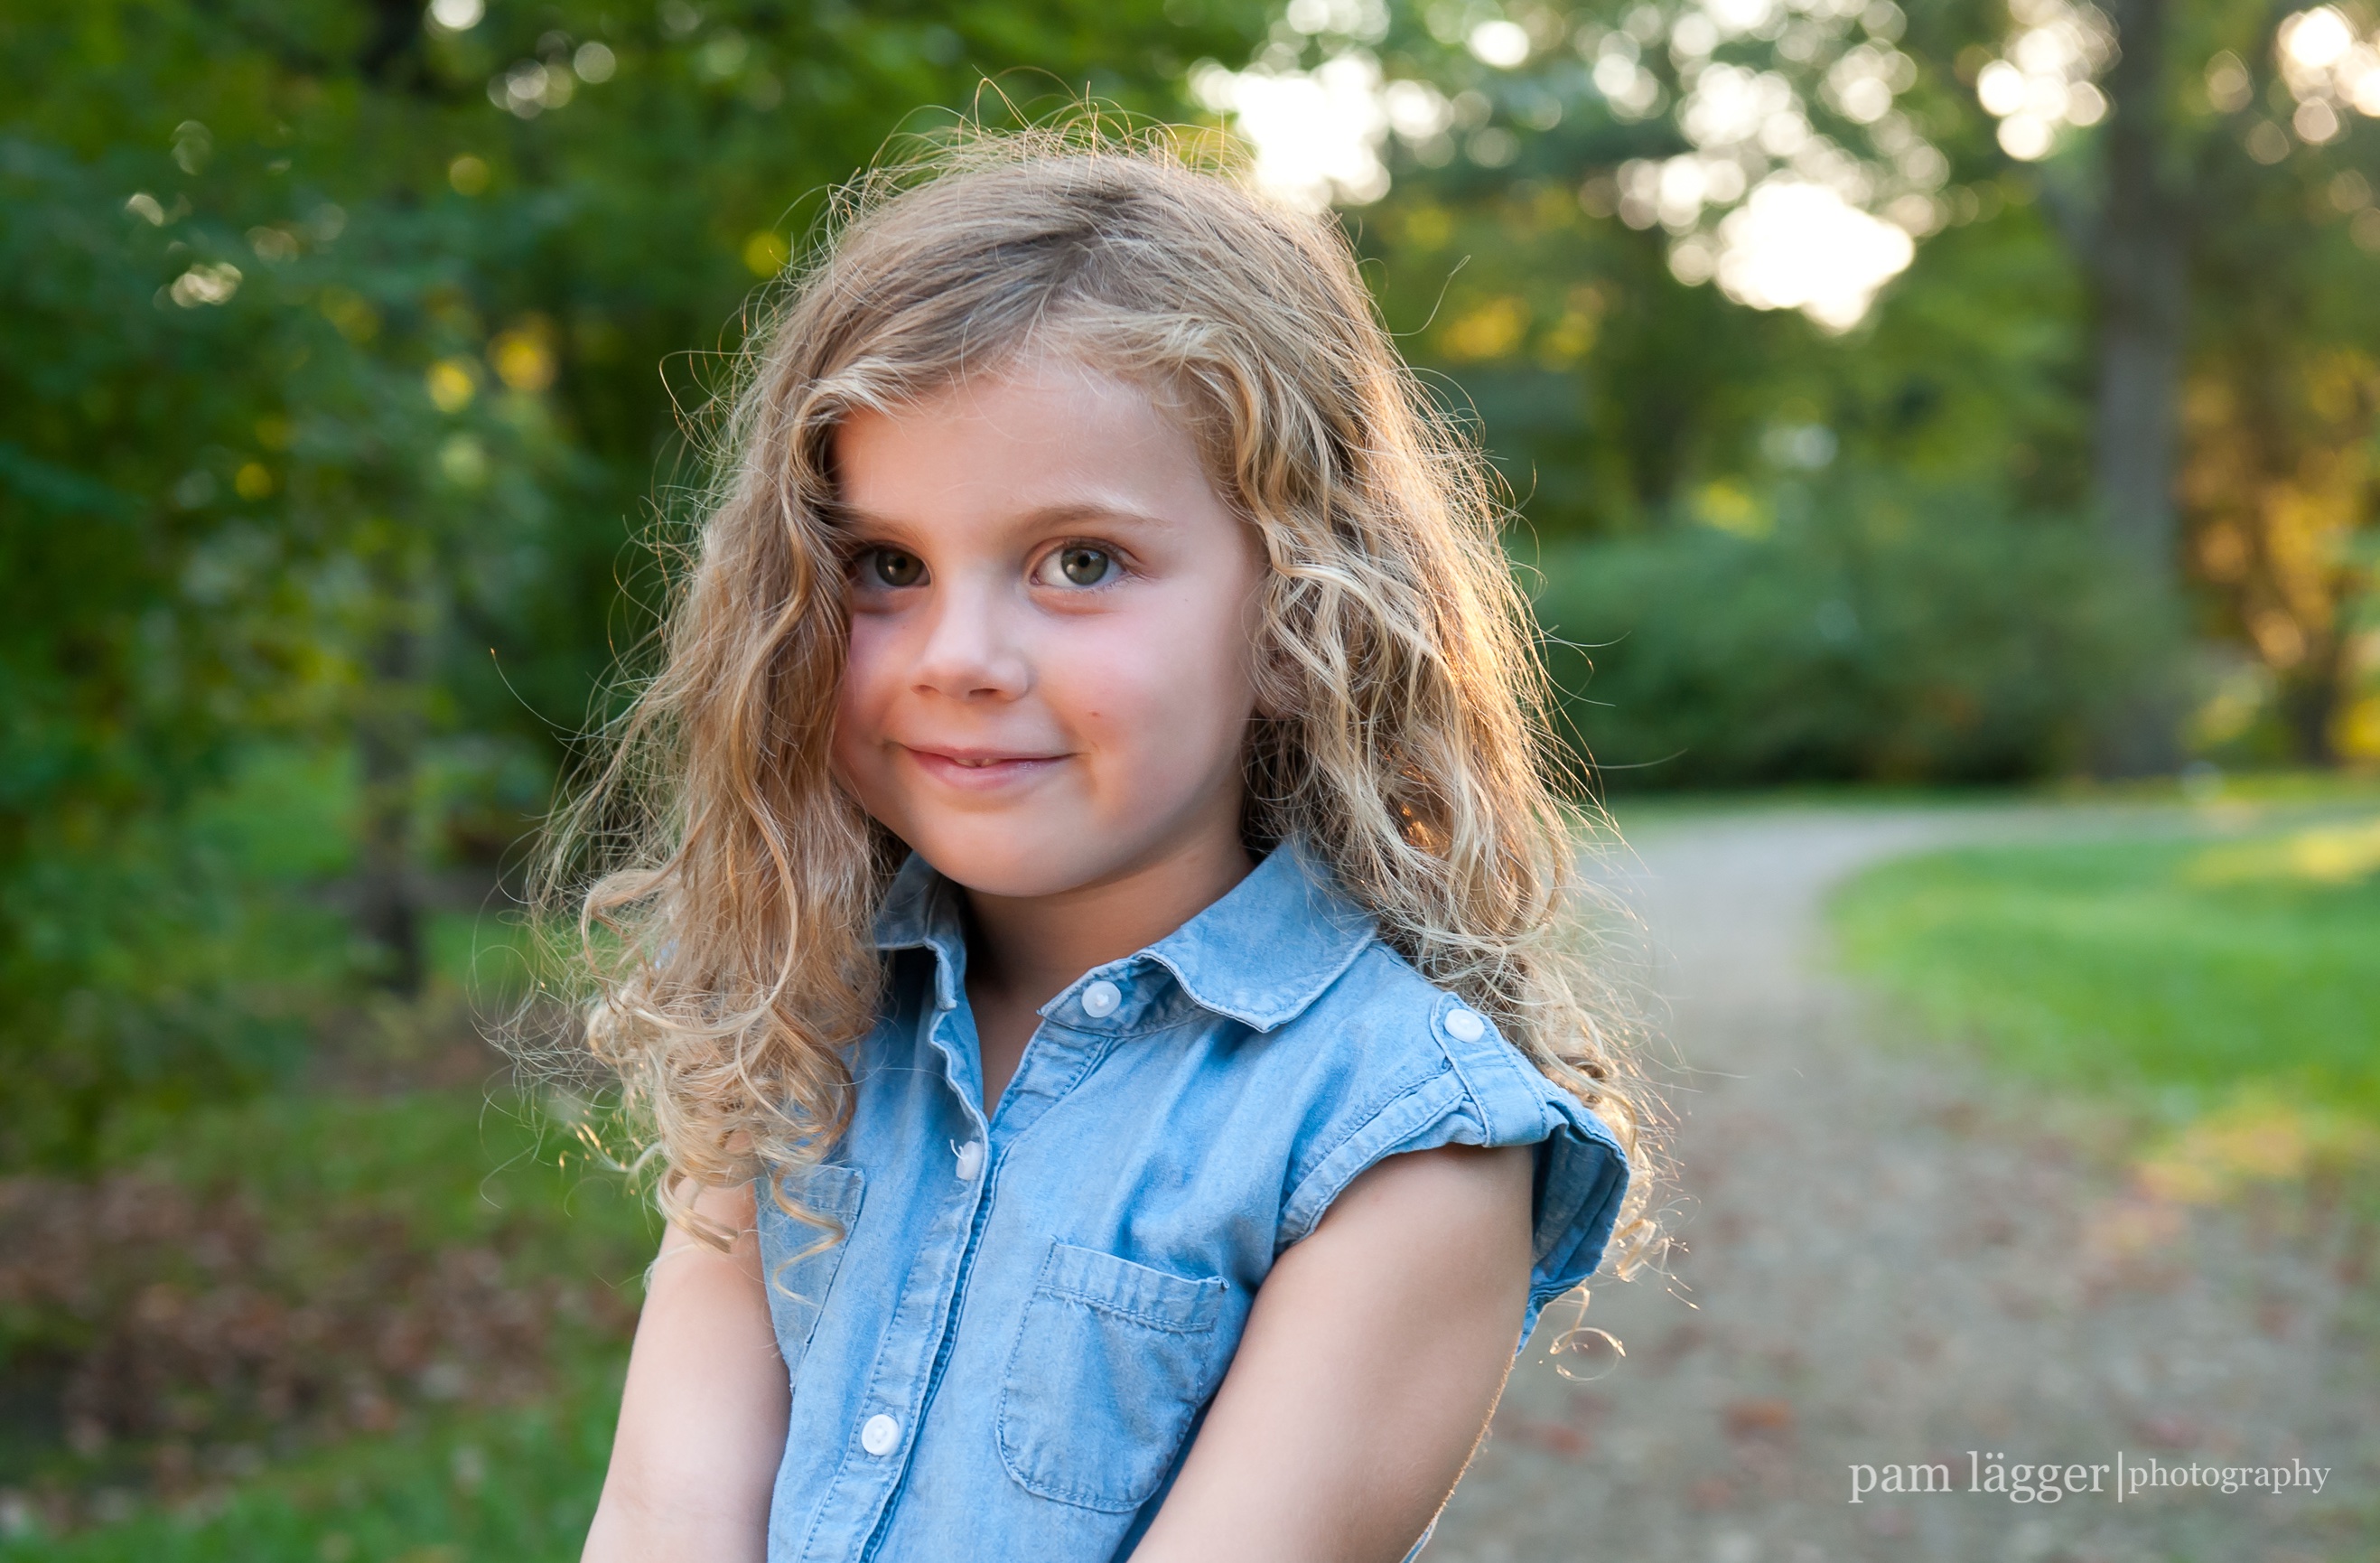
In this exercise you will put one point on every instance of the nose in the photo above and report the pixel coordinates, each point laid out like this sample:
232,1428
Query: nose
973,648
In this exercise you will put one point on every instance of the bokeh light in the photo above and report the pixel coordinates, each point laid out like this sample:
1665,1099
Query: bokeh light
2328,68
205,284
1780,214
523,357
1504,44
451,382
2044,80
1795,245
1317,133
1837,221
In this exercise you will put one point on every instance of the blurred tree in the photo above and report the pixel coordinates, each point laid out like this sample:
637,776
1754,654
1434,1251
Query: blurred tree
1581,193
2280,485
2098,214
2213,230
328,408
2133,237
2224,219
1584,201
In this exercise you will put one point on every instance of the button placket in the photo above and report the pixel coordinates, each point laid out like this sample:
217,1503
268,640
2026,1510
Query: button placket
959,1257
919,1333
938,1033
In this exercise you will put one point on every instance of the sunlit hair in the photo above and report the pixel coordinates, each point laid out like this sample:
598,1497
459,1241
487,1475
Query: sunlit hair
727,930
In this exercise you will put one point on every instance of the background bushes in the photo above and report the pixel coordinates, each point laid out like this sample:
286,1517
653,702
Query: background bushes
1856,634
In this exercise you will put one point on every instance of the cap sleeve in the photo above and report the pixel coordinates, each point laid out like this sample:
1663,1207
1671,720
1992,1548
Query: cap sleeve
1489,1093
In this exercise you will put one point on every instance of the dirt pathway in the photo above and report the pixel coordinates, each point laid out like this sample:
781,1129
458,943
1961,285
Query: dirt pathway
1893,1261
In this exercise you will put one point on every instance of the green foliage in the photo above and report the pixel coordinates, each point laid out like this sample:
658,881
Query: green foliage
1845,633
1608,390
2144,968
1611,382
199,957
438,1168
330,415
1778,553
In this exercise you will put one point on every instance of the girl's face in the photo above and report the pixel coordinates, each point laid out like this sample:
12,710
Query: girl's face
1052,615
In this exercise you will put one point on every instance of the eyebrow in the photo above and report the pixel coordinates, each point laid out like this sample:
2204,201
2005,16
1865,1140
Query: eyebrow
851,519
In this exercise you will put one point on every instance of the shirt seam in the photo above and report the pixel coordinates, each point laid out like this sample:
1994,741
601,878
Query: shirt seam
1109,1305
1395,1094
1269,1021
1298,1195
1454,1062
1126,1034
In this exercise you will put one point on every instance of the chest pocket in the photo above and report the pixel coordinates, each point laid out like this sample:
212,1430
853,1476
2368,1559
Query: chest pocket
799,1259
1112,1361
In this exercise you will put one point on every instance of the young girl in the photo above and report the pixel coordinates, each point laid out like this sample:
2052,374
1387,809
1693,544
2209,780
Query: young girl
1089,974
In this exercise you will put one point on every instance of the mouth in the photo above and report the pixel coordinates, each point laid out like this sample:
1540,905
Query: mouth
977,769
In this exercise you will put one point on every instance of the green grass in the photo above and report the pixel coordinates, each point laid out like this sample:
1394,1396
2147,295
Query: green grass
516,1485
444,1167
2174,973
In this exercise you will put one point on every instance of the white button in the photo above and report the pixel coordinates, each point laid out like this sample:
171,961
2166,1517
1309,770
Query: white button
1099,1000
970,1160
880,1434
1464,1025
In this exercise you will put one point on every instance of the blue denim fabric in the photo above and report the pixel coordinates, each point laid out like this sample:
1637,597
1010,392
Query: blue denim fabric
1009,1354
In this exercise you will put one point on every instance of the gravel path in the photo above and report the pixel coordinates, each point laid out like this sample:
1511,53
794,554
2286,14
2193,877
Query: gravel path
1890,1261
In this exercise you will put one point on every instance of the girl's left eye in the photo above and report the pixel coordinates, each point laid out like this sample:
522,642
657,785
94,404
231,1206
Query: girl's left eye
1082,565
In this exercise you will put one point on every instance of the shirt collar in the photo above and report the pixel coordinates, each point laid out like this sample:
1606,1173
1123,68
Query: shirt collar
1260,954
913,908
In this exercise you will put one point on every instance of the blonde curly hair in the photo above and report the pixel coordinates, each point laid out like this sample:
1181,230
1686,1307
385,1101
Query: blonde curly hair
725,884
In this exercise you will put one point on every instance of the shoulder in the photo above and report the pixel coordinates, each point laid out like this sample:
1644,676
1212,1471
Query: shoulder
1401,1064
1383,1032
1404,1065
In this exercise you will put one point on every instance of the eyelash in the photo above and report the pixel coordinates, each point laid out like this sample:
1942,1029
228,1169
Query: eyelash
865,555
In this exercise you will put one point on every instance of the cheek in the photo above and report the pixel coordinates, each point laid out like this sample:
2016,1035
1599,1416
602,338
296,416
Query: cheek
1169,694
861,698
880,657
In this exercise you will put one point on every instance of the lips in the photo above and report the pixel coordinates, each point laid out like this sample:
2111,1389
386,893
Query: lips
982,770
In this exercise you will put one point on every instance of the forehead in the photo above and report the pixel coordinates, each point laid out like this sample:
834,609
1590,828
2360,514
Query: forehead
1039,431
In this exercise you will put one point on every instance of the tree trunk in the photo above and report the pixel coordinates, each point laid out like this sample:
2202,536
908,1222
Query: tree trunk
388,738
2310,697
2140,262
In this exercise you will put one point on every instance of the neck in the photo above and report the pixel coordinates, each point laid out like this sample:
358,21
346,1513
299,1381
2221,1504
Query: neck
1028,949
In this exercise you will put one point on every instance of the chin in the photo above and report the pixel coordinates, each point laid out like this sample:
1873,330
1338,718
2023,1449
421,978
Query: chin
1007,858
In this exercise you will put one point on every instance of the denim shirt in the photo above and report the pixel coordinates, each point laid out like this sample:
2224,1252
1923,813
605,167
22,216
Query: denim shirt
1009,1354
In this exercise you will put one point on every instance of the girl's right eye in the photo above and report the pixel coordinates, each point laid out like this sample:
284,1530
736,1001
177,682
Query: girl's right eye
891,566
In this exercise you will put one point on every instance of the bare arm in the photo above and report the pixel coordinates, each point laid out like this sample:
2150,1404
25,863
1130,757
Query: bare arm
1373,1355
702,1421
